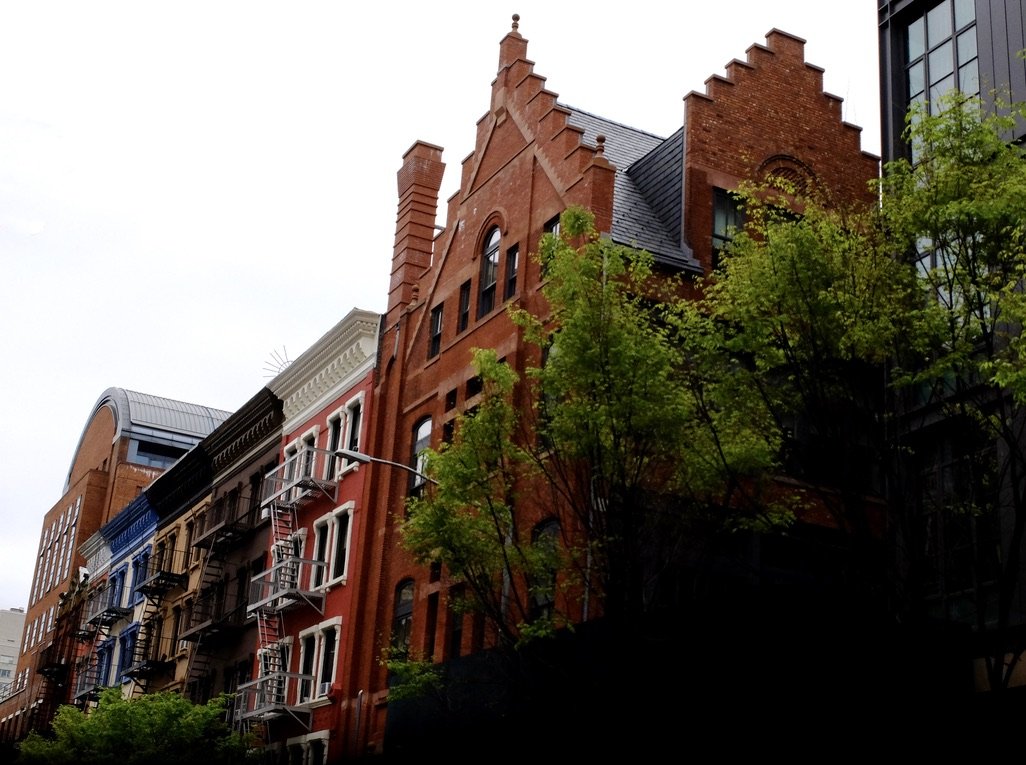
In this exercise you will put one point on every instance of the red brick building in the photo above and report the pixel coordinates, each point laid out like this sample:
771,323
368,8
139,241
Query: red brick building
305,693
128,440
534,156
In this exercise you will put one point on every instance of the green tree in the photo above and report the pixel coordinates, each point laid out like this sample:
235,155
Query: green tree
812,309
632,436
956,213
156,728
470,521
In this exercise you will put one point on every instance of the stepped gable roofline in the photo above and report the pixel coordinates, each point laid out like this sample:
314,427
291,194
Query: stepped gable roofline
153,417
646,204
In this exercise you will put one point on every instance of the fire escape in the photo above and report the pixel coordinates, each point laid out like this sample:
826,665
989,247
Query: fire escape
102,610
219,613
57,659
289,583
152,652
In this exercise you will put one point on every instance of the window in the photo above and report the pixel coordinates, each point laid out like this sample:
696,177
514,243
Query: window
334,443
941,51
188,542
116,587
435,339
727,219
464,317
457,615
331,545
153,454
421,441
489,272
512,264
551,227
126,650
545,539
308,655
318,648
349,420
355,414
104,659
309,444
402,619
140,569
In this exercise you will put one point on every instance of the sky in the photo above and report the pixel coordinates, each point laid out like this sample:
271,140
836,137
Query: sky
191,192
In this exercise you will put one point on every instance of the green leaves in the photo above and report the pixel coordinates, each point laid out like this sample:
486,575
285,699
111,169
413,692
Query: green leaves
154,728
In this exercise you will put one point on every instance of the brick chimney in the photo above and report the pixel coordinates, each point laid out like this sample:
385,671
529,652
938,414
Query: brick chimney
419,179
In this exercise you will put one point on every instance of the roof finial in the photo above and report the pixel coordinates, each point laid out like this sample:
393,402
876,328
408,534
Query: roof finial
601,141
516,21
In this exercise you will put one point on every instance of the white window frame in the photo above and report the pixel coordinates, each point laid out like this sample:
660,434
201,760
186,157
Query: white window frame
319,631
329,524
344,414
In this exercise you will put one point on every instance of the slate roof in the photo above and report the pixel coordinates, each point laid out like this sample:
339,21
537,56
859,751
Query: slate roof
648,190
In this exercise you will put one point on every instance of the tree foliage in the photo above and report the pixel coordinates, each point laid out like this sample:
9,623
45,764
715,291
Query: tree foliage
470,520
860,370
633,433
956,214
156,728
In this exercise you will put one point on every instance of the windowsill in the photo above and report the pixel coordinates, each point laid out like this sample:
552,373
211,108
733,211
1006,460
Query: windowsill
321,701
329,586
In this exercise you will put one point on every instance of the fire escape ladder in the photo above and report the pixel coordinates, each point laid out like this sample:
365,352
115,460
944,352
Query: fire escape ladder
211,576
144,652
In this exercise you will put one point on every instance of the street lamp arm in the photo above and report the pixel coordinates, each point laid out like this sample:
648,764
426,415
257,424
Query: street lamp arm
349,454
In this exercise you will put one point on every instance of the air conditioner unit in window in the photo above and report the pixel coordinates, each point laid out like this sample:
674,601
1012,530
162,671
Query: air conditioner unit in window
323,689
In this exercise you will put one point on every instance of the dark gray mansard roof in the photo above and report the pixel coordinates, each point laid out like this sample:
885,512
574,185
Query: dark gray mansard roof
649,187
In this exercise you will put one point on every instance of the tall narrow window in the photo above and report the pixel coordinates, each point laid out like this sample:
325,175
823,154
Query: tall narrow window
341,555
435,339
545,539
309,442
321,534
727,219
489,273
330,639
464,317
308,650
334,443
512,265
354,426
402,619
421,441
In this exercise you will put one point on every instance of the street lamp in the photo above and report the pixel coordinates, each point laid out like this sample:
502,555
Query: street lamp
349,454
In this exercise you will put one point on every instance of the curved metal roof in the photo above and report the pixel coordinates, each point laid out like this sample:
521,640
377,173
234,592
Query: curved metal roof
153,417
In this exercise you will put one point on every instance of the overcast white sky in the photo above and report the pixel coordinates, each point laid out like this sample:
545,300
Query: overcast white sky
188,188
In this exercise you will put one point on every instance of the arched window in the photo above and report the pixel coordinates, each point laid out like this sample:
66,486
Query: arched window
421,441
489,272
402,620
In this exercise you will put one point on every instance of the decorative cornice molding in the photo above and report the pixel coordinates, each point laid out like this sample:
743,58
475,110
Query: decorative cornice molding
330,365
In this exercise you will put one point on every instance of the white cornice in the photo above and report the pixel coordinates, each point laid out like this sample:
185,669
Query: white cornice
328,367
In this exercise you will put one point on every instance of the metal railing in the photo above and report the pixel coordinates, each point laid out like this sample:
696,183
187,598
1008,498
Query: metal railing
272,695
289,582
